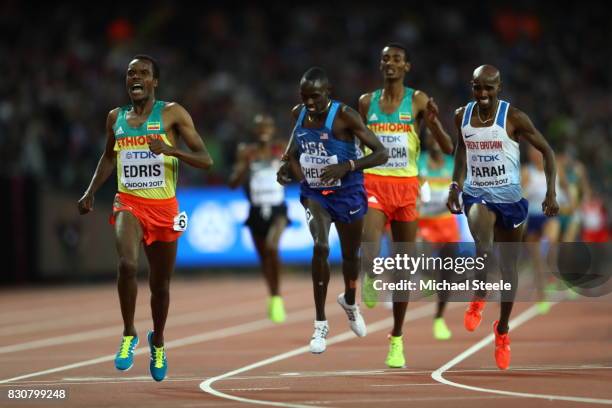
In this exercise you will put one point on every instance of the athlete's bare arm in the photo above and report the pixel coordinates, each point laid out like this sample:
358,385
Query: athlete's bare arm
244,154
106,166
179,120
290,169
356,126
520,126
459,170
350,122
364,106
428,108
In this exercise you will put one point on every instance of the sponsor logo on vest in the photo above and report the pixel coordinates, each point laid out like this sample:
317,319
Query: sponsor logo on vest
485,158
373,117
140,155
390,139
319,160
119,131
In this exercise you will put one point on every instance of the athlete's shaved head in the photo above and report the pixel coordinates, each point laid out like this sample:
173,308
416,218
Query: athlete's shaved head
317,76
486,85
486,73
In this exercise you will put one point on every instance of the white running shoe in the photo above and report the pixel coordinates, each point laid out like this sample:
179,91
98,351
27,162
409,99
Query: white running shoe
317,342
356,321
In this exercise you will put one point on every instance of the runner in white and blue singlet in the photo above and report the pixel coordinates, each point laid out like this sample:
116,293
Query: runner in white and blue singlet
487,148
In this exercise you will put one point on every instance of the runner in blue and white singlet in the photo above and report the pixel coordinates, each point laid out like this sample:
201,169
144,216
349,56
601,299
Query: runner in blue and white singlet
488,154
324,156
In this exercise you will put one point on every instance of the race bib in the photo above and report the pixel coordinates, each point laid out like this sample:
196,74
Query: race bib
487,169
397,148
312,166
180,222
265,191
142,169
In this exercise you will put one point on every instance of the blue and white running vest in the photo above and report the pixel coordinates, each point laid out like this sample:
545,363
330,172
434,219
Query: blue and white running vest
319,148
492,158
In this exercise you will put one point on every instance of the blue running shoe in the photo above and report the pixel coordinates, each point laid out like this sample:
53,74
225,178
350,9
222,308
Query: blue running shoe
158,364
124,360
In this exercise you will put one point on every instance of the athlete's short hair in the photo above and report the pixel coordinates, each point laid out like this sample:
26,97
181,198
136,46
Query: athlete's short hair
400,46
316,74
152,61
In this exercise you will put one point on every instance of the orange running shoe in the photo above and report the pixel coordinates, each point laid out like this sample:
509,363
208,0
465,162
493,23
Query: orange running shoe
473,314
502,348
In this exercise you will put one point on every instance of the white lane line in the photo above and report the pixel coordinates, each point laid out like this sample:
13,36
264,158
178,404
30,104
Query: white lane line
256,389
378,402
303,314
115,330
206,385
115,380
53,323
514,323
403,385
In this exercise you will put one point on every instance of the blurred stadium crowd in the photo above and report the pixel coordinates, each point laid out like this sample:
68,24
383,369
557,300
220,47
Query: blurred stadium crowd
63,69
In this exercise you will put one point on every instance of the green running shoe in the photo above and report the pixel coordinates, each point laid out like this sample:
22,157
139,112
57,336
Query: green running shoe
276,309
441,330
368,293
395,358
544,307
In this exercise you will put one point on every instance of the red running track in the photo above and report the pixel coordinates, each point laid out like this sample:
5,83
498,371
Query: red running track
223,352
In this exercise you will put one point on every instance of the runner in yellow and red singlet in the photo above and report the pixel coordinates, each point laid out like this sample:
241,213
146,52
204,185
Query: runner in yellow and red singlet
141,141
395,114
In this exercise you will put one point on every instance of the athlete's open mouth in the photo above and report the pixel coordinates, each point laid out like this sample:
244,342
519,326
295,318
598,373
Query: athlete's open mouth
137,88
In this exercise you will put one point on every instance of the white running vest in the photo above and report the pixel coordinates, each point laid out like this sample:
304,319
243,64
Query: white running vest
492,158
535,190
263,188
